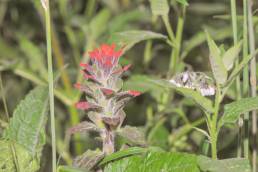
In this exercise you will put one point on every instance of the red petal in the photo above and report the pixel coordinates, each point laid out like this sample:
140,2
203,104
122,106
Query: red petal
82,105
85,105
134,93
125,68
77,85
107,91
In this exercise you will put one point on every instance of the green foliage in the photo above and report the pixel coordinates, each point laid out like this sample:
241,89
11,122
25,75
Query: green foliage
123,153
15,157
155,161
130,38
28,122
132,135
233,110
159,7
70,169
230,55
204,102
219,71
227,165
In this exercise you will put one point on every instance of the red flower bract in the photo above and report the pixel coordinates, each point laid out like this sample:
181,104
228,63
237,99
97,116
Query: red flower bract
106,56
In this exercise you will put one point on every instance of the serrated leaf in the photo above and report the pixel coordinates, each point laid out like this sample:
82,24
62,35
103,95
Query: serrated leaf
205,103
159,7
155,161
25,161
27,124
227,165
230,55
129,38
218,69
132,135
88,159
123,153
232,111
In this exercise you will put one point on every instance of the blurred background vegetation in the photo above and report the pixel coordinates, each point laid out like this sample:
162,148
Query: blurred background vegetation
81,25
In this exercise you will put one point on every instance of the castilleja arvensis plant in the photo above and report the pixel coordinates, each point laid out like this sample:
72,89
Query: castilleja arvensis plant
105,98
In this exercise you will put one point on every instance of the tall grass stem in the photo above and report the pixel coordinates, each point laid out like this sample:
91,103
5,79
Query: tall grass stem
252,80
50,83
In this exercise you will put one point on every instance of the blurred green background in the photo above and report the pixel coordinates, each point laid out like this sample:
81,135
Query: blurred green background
81,25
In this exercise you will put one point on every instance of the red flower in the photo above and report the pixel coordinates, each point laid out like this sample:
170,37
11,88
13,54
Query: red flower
106,57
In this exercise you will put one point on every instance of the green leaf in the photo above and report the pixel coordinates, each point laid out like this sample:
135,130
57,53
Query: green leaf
25,162
99,23
70,169
156,161
159,7
28,122
130,38
123,153
205,103
158,135
217,66
33,55
226,165
183,2
144,84
132,135
230,55
123,20
242,64
232,111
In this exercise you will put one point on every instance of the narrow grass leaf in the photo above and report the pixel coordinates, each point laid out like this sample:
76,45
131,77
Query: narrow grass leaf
130,38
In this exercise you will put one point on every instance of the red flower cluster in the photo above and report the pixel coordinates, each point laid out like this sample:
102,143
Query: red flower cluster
105,72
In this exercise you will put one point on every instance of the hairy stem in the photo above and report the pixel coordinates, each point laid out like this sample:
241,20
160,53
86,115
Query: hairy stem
108,141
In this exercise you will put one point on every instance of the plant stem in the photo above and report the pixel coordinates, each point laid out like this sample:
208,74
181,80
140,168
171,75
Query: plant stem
176,51
252,80
213,125
238,90
50,84
245,80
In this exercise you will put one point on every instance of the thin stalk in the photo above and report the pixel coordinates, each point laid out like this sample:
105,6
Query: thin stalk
50,84
245,80
252,80
213,125
176,51
238,89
